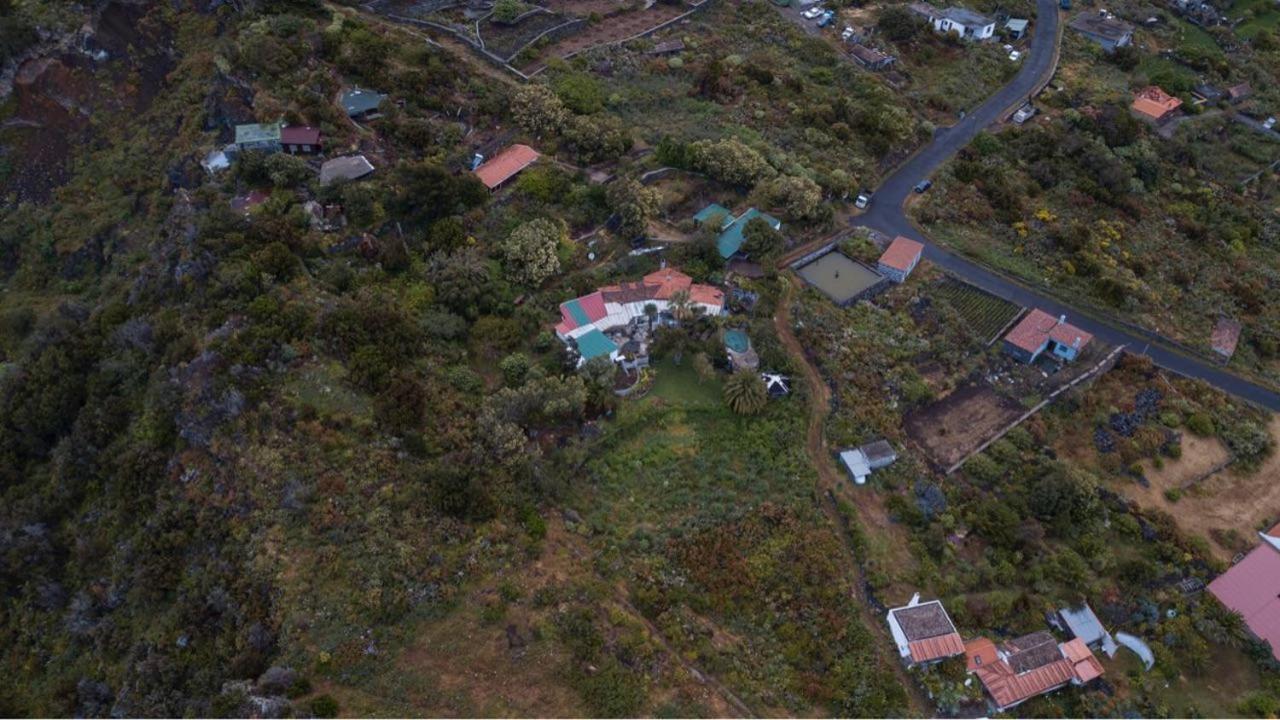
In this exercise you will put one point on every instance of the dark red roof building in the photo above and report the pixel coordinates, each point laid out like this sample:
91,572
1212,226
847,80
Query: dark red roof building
300,139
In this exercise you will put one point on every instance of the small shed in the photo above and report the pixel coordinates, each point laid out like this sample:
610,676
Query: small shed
360,103
670,47
351,167
900,258
879,454
857,465
1226,335
1083,624
300,139
1239,93
1017,27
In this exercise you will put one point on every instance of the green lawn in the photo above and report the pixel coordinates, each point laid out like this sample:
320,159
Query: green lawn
680,385
1262,14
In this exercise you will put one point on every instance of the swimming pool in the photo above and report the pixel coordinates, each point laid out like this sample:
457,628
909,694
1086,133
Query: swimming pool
736,340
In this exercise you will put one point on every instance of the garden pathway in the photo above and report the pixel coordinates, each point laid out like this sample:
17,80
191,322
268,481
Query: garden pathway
870,509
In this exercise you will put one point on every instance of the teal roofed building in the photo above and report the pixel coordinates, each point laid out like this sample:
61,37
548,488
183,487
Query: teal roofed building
731,240
256,136
594,344
712,212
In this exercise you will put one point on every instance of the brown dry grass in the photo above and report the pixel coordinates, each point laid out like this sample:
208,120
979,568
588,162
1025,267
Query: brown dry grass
1225,501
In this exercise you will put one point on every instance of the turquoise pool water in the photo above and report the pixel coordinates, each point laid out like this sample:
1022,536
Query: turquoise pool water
736,340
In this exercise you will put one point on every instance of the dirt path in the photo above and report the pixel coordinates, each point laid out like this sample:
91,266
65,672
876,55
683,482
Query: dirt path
705,678
871,512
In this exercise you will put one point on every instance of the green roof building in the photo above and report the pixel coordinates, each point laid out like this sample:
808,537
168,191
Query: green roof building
256,136
731,240
595,344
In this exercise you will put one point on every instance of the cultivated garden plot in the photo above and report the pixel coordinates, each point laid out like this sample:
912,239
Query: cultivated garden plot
603,31
984,314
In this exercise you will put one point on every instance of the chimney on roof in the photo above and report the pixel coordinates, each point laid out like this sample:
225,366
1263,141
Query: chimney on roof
915,600
1062,319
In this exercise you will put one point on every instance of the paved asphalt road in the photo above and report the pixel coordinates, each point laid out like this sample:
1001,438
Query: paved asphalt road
886,215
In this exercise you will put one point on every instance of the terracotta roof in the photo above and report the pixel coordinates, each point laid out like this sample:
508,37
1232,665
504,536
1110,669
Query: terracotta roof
506,164
706,294
669,282
1226,335
300,136
935,648
1252,588
980,652
1039,326
1008,688
901,253
1154,102
1084,665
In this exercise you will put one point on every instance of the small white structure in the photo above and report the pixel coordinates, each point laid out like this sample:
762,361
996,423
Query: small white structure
961,21
860,461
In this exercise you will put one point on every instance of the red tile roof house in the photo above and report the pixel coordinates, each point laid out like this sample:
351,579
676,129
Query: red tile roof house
617,305
924,632
1252,588
900,258
1153,103
506,165
1039,331
300,139
1028,666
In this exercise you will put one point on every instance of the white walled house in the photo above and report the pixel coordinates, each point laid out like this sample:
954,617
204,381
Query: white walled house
961,21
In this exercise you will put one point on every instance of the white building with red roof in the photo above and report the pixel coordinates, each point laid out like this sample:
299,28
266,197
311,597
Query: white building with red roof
900,258
923,632
1038,332
1252,588
584,320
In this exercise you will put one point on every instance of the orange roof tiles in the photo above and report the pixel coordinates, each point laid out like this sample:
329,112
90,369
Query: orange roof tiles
934,648
505,165
902,254
706,295
1038,326
669,282
1009,689
1155,103
980,652
1084,665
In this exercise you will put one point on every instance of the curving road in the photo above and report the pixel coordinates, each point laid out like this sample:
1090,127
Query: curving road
886,214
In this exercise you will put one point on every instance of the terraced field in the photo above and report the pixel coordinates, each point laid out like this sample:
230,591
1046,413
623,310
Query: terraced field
983,313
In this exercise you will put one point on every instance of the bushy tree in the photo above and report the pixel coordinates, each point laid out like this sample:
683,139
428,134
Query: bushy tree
730,161
634,204
745,392
799,197
762,242
529,252
580,92
538,110
597,138
428,191
898,24
506,11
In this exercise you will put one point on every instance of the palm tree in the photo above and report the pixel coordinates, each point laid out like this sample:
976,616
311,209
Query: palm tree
679,303
745,393
651,312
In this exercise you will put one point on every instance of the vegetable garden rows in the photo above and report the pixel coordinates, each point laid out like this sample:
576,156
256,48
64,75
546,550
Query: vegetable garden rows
984,313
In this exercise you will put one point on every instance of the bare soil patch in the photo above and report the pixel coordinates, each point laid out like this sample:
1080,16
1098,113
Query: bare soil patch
1225,501
608,30
956,425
